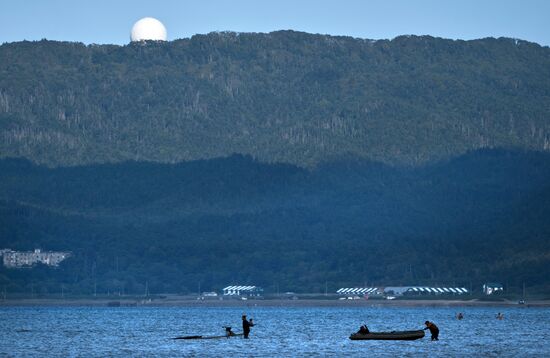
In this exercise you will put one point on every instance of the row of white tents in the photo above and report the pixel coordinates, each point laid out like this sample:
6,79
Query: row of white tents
242,290
439,290
400,290
357,291
394,290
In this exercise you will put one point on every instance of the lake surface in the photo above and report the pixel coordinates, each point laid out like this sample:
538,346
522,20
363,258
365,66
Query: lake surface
279,331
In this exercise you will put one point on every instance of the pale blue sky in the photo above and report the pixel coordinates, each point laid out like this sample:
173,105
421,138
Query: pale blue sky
101,21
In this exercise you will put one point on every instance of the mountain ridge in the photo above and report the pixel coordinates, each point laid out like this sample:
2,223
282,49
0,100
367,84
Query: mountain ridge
281,97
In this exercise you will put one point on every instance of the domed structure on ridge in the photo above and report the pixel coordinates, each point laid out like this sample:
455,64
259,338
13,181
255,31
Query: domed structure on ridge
148,28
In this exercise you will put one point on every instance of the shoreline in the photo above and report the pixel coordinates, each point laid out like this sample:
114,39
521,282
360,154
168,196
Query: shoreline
186,302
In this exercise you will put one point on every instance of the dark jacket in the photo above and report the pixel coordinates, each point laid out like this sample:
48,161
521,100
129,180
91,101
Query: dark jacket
247,325
432,327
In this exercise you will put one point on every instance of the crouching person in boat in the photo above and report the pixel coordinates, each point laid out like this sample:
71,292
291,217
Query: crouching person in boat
433,330
246,326
363,329
229,332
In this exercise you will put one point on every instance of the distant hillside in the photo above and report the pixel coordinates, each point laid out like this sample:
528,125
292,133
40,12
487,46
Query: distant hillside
281,97
479,217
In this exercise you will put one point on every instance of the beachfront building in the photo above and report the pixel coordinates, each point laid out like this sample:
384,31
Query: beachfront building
21,259
423,290
245,291
492,287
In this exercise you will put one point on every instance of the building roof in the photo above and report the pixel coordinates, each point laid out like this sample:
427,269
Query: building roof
241,288
399,290
356,290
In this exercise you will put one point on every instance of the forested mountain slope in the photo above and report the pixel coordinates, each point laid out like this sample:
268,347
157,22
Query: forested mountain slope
479,217
281,97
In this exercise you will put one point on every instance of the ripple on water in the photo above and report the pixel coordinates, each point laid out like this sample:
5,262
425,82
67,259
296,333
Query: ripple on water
279,331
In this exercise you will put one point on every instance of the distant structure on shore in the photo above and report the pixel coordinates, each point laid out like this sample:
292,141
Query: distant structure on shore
492,288
249,291
402,291
359,291
24,259
422,290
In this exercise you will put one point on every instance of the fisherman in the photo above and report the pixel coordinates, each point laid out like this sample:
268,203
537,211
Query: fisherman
433,330
246,326
364,329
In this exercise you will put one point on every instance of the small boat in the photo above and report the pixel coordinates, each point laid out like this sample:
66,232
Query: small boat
228,334
394,335
209,337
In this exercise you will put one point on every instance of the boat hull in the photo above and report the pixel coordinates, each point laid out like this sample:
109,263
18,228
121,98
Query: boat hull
210,337
388,336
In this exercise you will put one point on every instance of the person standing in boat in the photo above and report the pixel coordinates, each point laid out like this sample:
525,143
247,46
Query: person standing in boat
246,326
433,330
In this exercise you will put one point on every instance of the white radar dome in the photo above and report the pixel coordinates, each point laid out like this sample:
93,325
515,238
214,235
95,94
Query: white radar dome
148,28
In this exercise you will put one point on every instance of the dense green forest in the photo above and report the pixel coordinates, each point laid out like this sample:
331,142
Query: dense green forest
359,162
281,97
479,217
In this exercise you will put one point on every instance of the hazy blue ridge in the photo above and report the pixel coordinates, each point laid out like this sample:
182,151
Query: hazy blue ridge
474,218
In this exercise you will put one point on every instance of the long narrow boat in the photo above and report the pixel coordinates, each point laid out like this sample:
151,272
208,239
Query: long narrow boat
395,335
209,337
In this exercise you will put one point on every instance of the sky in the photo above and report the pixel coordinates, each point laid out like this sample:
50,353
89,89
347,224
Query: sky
110,22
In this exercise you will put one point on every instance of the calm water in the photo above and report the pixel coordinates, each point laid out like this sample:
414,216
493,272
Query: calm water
290,331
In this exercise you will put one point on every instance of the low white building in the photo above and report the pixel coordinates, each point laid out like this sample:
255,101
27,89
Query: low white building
492,287
19,259
238,290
